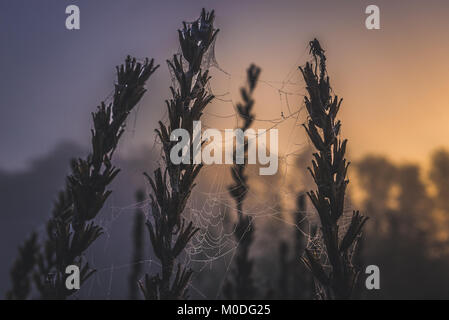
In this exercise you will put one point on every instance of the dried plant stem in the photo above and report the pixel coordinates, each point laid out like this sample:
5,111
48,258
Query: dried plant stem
71,229
329,170
240,284
172,184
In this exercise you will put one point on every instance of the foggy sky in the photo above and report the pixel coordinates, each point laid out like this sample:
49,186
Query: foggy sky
393,80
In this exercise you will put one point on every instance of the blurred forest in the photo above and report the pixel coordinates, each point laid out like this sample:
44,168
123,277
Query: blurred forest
408,234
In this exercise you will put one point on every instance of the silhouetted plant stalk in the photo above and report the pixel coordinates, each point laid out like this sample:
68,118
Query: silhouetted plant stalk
284,271
71,229
329,170
294,281
171,186
240,284
138,244
22,269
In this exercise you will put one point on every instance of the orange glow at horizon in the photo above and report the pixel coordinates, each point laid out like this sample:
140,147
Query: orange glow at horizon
393,82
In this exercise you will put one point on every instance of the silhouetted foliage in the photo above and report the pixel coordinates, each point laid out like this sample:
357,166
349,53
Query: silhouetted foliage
22,268
284,271
329,170
404,240
240,284
439,175
71,229
377,178
408,238
295,281
171,186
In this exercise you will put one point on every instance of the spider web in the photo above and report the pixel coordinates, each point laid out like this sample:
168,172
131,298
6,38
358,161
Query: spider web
212,210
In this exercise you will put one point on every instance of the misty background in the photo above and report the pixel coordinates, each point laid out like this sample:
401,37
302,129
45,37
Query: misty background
393,81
